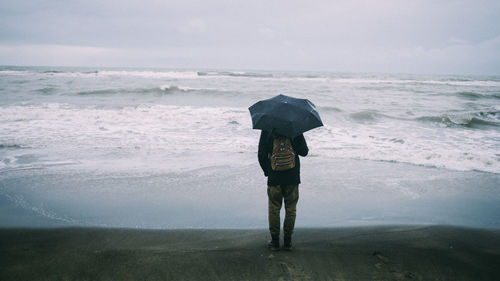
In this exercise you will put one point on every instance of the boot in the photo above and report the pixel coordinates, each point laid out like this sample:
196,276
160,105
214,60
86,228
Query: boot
287,246
274,243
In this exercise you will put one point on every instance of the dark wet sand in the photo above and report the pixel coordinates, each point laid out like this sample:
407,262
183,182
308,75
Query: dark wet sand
359,253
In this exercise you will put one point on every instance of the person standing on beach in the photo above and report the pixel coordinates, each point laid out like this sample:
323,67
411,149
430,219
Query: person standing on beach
282,185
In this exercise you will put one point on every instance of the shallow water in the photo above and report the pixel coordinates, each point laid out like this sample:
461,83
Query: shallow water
334,193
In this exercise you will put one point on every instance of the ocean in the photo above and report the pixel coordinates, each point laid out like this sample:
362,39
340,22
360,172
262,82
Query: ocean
159,148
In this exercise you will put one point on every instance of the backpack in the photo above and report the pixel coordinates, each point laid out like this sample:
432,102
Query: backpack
283,156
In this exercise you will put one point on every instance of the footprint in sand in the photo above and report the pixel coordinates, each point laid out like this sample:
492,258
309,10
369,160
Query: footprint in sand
294,273
391,267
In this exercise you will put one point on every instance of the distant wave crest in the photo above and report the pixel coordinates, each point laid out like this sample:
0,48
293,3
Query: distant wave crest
162,90
235,74
335,78
150,74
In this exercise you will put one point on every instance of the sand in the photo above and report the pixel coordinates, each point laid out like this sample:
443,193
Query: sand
354,253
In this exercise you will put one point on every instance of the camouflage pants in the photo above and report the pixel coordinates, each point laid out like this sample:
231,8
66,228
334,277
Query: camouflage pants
277,194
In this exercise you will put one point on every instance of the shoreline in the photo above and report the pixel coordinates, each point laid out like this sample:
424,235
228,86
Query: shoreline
398,252
332,194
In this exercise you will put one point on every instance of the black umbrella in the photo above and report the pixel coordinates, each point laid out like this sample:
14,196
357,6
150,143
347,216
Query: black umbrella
285,115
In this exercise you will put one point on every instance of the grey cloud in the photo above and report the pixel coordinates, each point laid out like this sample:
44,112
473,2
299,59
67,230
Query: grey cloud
354,35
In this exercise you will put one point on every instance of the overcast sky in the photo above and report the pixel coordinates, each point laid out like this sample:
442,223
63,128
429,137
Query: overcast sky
412,36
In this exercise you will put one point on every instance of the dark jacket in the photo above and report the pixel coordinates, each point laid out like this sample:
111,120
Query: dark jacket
291,176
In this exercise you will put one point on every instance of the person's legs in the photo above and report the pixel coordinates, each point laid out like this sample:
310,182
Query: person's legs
291,195
275,196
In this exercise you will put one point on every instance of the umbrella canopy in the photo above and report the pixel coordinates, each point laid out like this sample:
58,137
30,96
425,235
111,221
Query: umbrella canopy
285,115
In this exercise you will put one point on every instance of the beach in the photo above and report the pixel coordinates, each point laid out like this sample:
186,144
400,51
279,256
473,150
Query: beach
352,253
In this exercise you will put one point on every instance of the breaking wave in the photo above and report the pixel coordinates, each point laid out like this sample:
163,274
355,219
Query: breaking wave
53,71
46,90
236,74
366,116
416,81
329,109
150,74
472,120
476,96
11,146
469,95
162,90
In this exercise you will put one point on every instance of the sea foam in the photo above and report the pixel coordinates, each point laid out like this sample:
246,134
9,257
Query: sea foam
107,115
